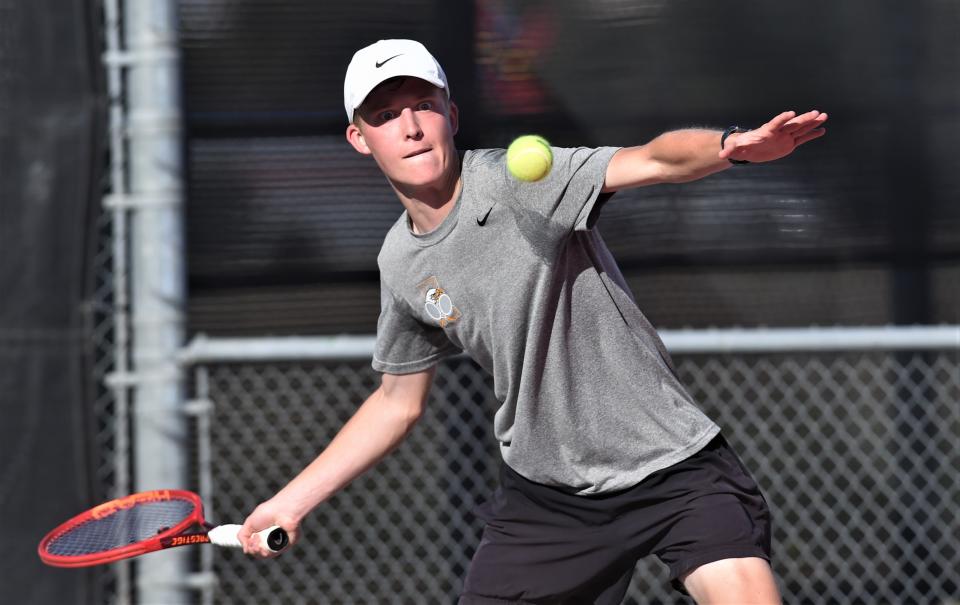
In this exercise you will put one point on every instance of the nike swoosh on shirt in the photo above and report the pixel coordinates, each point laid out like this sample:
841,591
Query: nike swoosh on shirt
380,63
483,221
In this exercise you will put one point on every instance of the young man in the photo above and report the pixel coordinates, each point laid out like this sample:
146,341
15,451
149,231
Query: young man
606,457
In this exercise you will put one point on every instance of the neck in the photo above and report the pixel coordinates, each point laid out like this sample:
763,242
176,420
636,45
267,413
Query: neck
427,206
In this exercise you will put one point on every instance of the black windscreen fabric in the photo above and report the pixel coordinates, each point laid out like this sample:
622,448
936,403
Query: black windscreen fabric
286,209
249,62
51,135
280,205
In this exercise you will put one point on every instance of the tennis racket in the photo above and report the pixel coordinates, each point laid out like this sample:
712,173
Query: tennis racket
138,524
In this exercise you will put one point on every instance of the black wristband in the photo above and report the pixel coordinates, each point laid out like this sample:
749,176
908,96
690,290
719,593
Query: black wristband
723,139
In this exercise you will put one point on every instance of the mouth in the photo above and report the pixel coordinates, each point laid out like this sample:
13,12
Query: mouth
418,152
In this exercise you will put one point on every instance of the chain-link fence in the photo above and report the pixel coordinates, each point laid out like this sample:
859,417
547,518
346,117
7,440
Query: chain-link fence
856,451
109,405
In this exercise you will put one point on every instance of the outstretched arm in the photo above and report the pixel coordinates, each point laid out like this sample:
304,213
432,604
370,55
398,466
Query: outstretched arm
377,427
687,155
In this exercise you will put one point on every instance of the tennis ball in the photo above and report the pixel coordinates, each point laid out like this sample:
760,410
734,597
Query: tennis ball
529,158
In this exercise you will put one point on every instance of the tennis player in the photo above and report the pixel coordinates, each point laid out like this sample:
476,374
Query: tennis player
607,458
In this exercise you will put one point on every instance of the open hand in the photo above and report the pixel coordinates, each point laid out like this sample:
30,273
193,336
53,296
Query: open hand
775,139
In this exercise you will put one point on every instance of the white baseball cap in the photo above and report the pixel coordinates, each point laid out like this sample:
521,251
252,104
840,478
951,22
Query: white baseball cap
384,60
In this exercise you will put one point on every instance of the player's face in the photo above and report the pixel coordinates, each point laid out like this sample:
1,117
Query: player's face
408,124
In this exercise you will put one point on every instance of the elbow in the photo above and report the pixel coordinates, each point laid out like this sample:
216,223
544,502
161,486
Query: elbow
404,411
405,396
413,411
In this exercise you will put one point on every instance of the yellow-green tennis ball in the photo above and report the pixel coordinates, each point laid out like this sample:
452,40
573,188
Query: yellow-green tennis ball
529,158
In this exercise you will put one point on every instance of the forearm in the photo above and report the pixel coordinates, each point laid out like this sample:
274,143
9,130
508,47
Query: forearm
673,157
376,428
687,155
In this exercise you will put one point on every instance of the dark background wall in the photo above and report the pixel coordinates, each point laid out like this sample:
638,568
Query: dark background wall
51,154
861,227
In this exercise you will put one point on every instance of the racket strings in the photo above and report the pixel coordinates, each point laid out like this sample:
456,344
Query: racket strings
122,528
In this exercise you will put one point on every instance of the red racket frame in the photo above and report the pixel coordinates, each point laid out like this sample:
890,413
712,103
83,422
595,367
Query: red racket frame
170,538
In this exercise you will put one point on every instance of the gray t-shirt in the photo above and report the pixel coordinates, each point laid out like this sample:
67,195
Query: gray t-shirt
516,277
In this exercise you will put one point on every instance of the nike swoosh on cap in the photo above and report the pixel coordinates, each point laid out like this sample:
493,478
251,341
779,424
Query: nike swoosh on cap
381,63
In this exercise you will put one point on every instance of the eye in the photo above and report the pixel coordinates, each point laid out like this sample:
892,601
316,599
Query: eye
385,116
425,106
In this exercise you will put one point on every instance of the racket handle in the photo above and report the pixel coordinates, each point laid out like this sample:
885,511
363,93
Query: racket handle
274,538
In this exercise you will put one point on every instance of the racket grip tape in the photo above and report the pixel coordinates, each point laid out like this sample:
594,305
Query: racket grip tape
275,538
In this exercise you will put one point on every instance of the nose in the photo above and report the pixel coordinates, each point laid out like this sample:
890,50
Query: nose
411,126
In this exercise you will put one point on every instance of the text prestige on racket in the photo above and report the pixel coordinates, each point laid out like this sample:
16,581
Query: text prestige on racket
606,457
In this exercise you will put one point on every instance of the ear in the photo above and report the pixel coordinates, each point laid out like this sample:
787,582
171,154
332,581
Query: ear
355,138
454,118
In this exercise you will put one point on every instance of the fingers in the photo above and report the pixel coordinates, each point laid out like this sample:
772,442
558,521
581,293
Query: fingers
816,133
245,536
803,123
253,533
256,546
781,119
806,127
248,535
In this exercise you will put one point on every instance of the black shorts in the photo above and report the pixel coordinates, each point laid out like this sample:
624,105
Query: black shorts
545,544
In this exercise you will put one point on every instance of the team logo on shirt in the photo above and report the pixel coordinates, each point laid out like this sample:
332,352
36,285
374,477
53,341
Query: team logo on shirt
437,303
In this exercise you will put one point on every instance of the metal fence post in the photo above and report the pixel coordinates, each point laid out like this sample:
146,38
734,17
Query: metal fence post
154,136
